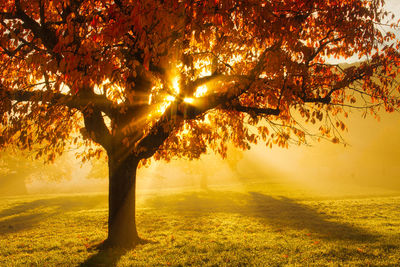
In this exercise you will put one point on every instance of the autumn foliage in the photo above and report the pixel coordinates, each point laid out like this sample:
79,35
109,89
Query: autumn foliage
157,79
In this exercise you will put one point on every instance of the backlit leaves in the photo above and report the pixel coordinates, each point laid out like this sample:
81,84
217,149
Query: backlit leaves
253,71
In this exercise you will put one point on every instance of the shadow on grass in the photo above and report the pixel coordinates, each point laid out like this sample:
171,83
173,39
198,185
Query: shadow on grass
26,215
287,212
278,212
105,257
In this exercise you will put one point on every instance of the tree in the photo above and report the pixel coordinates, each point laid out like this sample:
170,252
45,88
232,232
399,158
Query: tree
17,168
12,178
160,79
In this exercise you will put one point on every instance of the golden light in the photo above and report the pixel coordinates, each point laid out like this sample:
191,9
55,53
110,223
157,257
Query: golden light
234,59
188,100
170,98
175,85
201,91
112,90
163,107
205,67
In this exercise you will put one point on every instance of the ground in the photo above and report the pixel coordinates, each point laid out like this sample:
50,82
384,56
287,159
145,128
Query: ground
259,224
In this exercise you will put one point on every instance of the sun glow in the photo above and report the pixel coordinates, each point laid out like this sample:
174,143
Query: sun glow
163,107
170,98
174,91
205,67
175,85
188,100
201,91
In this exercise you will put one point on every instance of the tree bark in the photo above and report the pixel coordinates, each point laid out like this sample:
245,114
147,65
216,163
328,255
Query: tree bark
121,200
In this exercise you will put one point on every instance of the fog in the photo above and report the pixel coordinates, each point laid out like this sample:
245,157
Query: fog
368,164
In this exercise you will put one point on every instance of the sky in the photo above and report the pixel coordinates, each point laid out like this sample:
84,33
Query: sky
393,6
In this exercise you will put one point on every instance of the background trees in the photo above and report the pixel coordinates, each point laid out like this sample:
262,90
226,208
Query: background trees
19,168
163,79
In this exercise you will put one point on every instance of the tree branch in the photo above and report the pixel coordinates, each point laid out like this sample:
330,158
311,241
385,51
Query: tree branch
96,128
177,112
77,102
350,77
324,100
216,77
46,35
254,111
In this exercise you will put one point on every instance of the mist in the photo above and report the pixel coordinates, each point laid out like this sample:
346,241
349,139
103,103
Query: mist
367,164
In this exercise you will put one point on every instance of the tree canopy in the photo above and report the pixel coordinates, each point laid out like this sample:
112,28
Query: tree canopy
173,78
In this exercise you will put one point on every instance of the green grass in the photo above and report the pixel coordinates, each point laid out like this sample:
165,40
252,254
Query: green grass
261,225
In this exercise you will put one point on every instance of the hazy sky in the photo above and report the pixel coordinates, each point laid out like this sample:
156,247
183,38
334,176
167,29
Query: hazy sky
393,6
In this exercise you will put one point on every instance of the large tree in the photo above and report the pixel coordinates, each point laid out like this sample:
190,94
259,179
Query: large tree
159,79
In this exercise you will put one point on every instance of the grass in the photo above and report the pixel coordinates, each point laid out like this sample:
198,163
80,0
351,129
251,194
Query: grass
261,225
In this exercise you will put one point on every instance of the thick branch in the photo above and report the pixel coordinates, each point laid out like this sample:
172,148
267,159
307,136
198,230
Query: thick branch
91,107
177,112
324,100
96,128
149,144
47,36
216,77
78,102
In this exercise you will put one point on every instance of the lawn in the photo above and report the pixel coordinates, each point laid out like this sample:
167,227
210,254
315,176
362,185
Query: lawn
262,225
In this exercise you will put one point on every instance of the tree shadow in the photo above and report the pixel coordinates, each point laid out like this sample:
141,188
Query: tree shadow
278,212
109,256
105,257
26,215
285,212
21,222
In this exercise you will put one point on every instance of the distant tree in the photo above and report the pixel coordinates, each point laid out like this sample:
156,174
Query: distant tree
18,168
160,79
13,175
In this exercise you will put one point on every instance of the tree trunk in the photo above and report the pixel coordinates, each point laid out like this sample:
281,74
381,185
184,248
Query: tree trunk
121,200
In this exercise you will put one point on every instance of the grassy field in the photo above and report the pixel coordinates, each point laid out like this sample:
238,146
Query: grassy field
262,225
